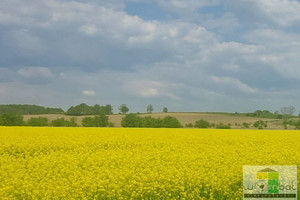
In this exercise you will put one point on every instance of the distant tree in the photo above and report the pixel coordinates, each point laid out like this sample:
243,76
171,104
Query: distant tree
288,110
260,124
108,109
246,125
202,124
131,120
10,119
150,122
165,109
123,109
189,125
84,109
149,108
61,122
223,126
96,121
38,121
171,122
28,109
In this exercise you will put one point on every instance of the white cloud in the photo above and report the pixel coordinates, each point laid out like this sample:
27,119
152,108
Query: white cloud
232,83
188,8
35,72
147,88
89,29
268,12
236,53
283,12
88,93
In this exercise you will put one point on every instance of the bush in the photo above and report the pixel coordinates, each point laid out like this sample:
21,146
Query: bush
202,124
223,126
170,122
189,125
11,120
150,122
131,120
96,121
246,125
38,121
61,122
260,124
295,123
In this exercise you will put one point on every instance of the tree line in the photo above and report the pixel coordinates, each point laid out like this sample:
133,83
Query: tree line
29,109
101,120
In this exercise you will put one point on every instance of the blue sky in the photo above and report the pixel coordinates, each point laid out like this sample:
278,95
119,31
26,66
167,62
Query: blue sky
209,55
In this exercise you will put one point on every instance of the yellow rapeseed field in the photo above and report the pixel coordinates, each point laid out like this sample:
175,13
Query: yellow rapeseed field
119,163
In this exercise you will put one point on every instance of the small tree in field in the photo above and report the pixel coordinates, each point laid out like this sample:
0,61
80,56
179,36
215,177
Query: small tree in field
38,121
131,120
11,120
165,109
149,108
202,124
96,121
170,122
123,109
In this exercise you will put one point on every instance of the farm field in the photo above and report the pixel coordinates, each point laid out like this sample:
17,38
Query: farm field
184,118
119,163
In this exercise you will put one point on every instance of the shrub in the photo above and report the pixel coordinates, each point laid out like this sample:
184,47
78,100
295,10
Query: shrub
246,125
38,121
202,124
11,120
295,123
170,122
131,120
61,122
189,125
260,124
96,121
150,122
223,126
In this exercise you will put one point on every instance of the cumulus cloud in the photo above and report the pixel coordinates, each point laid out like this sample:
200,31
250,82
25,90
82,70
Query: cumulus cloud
269,12
208,51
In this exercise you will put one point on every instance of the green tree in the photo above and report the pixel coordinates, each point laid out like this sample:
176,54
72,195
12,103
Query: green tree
108,109
38,121
150,122
246,125
223,126
131,120
123,109
28,109
165,109
10,119
260,124
202,124
84,109
170,122
149,108
189,125
61,122
96,121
